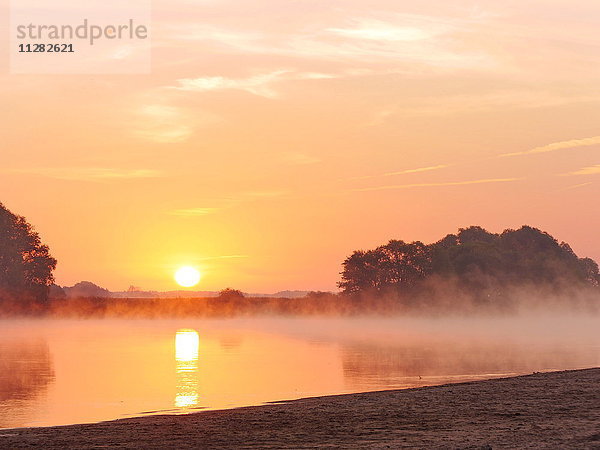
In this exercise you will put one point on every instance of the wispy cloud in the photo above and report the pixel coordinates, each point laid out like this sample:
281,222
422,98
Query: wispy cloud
403,172
165,123
263,194
449,183
207,258
226,202
194,212
450,105
381,31
162,123
576,186
260,85
249,195
562,145
90,173
592,170
295,158
402,38
257,85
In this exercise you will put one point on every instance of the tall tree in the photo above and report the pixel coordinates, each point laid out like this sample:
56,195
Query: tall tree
26,265
395,266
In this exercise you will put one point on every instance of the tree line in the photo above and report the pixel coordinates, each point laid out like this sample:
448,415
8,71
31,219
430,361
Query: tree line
483,263
487,266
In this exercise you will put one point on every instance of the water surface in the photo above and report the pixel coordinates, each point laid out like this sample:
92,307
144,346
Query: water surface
55,372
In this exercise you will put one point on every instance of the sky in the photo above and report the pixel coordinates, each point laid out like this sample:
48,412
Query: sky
272,138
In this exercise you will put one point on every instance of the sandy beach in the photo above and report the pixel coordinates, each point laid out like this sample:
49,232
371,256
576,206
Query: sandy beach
542,410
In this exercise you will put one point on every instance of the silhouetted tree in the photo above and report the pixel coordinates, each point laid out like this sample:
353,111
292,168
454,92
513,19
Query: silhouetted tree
231,294
55,292
480,262
475,234
25,263
590,270
361,272
471,255
404,265
394,266
318,294
86,289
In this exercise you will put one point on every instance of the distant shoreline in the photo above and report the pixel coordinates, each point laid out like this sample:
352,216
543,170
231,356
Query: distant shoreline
317,304
542,410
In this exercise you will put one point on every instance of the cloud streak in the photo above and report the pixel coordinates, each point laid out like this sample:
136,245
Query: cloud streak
193,212
227,202
207,258
260,85
577,186
381,31
451,105
448,183
562,145
91,173
262,194
166,124
299,159
592,170
403,172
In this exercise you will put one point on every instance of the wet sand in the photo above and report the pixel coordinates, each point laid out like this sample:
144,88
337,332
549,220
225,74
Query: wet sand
545,410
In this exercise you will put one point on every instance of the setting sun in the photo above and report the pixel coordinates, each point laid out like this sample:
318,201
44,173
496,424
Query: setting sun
187,276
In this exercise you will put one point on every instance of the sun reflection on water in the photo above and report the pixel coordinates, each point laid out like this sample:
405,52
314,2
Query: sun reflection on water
187,343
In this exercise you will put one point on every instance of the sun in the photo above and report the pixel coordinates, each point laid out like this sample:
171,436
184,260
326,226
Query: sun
187,276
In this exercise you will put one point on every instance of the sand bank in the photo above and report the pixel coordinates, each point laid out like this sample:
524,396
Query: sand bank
546,410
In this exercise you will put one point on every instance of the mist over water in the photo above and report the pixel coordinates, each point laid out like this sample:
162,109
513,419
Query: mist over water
71,371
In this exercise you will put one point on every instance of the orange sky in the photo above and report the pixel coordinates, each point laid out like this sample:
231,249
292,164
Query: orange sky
272,138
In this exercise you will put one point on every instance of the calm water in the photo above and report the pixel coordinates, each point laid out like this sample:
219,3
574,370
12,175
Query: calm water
61,372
